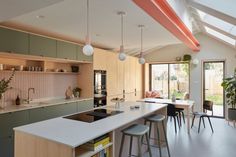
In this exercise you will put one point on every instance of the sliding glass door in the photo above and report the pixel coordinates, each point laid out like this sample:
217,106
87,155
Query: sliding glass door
170,79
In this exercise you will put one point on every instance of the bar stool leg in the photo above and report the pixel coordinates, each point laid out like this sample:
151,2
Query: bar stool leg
159,139
139,147
130,145
150,129
121,146
148,144
167,145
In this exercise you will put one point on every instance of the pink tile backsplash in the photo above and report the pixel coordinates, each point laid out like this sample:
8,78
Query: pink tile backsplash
46,85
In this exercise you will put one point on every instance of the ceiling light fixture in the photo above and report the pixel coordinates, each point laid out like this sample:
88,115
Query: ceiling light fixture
122,55
88,49
141,60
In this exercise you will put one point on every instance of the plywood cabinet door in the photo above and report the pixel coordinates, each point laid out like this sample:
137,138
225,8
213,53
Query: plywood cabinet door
120,77
111,74
129,72
138,77
100,59
14,41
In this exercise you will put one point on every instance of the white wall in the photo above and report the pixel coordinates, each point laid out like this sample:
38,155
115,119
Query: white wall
211,49
181,10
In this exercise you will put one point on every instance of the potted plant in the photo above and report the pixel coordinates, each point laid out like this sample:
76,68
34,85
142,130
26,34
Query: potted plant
229,85
187,58
4,86
76,92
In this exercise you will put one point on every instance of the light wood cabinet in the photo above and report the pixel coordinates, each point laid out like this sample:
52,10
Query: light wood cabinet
122,76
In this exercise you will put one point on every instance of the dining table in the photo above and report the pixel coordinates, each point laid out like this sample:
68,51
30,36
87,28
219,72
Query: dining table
187,105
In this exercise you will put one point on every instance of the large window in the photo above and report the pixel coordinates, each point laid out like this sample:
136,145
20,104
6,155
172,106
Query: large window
170,79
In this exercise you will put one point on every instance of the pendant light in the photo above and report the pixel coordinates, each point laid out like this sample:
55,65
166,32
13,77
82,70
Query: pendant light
88,49
141,60
122,55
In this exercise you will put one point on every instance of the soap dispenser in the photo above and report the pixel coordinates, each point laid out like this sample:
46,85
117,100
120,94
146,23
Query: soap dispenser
17,100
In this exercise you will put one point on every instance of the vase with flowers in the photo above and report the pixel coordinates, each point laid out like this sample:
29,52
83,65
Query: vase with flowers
4,86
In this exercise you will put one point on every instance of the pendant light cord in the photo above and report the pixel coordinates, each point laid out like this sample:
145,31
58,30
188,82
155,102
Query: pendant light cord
88,24
122,29
141,40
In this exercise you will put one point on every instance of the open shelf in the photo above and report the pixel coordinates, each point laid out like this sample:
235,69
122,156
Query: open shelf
41,72
81,152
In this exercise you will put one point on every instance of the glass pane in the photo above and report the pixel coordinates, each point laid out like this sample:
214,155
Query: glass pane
179,80
214,73
220,36
160,79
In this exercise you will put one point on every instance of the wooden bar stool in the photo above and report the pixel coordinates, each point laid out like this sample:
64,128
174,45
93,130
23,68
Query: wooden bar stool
136,130
158,119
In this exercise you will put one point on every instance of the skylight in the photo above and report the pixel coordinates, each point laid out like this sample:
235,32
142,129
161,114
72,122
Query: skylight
216,22
220,36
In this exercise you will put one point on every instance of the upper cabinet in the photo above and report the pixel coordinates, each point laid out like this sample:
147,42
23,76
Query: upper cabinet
66,50
42,46
81,56
14,41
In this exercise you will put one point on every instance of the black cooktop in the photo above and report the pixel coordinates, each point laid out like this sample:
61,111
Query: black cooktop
94,115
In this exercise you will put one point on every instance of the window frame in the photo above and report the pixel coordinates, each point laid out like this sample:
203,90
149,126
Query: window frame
168,63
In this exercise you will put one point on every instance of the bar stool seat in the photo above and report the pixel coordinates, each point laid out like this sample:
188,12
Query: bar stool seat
155,118
136,130
139,131
158,118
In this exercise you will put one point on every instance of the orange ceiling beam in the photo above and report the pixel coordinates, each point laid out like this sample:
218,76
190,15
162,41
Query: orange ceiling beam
163,13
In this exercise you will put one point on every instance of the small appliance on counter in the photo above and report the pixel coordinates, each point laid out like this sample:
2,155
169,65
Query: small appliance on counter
100,90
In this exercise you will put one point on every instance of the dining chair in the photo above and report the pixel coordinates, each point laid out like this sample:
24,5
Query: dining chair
208,106
171,112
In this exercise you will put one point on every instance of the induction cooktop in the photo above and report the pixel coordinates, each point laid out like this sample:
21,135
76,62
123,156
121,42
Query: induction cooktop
94,115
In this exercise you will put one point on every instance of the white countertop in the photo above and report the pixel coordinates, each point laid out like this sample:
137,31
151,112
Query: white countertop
169,101
50,102
74,133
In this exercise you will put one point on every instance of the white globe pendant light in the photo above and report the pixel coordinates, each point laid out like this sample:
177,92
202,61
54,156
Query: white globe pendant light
122,55
88,49
141,59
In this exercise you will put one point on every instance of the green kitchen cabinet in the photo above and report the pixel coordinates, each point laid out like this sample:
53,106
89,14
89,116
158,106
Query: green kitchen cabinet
14,41
7,147
61,110
42,46
85,105
10,120
37,114
66,50
81,56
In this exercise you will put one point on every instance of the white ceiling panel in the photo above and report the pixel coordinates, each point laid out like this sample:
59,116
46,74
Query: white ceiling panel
69,18
13,8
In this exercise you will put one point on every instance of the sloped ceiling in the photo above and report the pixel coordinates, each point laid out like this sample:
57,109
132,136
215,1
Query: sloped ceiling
69,18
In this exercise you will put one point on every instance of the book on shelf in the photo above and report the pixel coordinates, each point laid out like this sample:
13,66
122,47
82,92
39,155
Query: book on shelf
97,145
103,153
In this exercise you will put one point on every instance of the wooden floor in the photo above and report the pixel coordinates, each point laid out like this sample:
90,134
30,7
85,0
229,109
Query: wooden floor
222,143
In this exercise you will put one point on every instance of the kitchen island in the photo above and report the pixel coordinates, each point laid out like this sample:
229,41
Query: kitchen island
61,137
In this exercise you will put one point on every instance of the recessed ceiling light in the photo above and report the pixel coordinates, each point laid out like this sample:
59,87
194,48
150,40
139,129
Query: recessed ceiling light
40,16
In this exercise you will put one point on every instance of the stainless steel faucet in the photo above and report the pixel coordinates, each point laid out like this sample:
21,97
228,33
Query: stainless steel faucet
28,98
